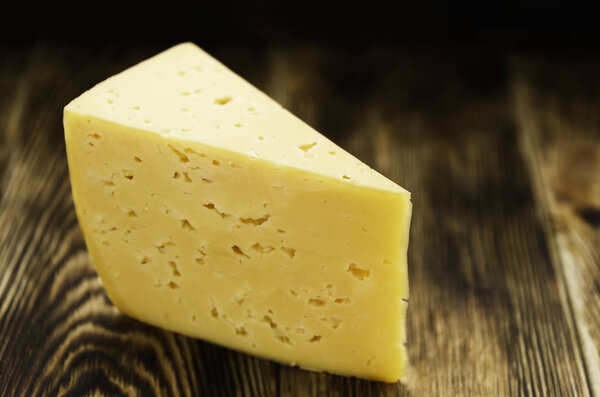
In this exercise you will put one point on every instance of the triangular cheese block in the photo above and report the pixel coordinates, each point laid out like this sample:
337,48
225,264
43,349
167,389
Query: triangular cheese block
211,211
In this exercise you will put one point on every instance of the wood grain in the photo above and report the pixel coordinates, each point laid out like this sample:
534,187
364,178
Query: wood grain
495,307
557,105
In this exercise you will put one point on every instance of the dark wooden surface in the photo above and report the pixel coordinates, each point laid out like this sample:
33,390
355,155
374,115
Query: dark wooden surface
501,152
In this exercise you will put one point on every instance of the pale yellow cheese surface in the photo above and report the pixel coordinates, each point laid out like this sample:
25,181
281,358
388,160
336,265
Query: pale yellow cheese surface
211,211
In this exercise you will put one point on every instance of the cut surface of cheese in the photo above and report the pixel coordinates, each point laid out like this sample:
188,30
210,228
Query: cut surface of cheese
211,211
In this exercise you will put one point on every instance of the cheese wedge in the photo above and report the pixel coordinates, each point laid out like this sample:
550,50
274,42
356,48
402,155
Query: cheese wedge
211,211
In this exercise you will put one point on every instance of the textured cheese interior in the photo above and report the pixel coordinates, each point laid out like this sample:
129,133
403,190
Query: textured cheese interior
272,261
185,93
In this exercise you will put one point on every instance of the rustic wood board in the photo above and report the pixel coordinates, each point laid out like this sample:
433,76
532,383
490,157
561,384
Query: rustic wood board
504,258
557,104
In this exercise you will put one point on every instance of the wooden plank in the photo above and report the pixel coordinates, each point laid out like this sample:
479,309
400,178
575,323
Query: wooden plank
486,315
557,107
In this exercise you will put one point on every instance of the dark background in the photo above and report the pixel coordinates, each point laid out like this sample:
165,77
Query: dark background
529,25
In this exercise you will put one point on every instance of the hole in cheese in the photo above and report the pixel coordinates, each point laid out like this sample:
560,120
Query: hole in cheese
307,146
357,272
223,100
290,251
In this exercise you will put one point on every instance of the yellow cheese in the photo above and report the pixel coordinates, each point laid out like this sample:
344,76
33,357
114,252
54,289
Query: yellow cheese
211,211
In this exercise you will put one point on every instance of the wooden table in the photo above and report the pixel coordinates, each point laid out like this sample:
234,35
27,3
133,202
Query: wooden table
501,152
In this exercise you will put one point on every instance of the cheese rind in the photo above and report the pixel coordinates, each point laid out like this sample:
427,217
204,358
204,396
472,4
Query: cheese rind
252,235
